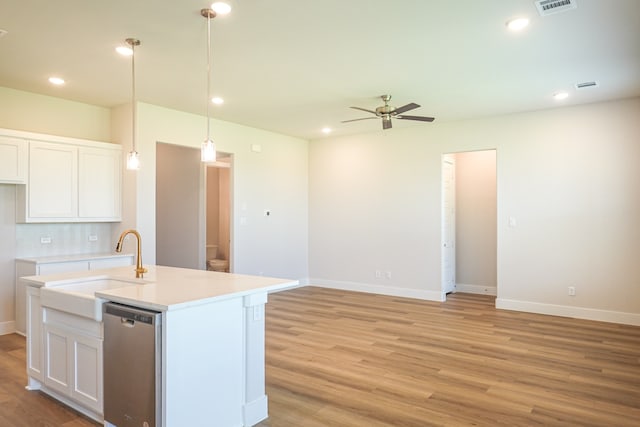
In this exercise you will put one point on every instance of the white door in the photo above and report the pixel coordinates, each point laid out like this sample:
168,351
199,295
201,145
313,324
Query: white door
448,224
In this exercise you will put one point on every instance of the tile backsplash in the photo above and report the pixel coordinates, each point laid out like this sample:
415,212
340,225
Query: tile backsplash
39,240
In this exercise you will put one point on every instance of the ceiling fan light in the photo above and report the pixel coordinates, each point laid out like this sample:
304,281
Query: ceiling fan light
208,151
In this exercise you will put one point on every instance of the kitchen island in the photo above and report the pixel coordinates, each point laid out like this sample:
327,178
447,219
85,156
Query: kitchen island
212,339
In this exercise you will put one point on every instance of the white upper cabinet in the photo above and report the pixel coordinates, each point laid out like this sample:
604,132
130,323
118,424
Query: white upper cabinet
67,179
13,160
99,197
52,189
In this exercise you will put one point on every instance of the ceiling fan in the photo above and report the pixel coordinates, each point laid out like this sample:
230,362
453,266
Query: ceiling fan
387,112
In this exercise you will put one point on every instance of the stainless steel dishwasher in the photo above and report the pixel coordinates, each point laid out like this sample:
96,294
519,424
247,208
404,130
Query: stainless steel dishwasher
132,366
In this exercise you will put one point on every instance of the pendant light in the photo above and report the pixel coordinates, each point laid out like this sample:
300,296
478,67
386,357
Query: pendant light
133,159
208,148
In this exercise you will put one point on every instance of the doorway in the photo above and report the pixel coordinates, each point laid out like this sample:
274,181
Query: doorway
218,214
469,222
193,209
180,225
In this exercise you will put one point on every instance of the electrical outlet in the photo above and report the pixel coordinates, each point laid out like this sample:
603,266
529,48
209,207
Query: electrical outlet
378,274
388,275
93,237
572,291
45,240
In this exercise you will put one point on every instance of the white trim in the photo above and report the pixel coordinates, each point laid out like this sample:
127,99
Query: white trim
7,327
476,289
33,136
378,289
569,311
255,411
296,284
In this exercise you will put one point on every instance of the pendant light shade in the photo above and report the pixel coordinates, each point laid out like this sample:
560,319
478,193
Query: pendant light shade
208,151
133,158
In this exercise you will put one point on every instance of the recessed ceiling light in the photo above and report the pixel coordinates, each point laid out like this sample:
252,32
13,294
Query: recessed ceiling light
56,81
559,96
217,100
517,24
124,50
326,130
221,8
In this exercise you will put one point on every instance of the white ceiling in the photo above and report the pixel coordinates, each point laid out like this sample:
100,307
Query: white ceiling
295,66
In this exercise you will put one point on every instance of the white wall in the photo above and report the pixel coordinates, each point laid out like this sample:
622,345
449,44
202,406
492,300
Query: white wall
54,116
476,210
568,176
275,179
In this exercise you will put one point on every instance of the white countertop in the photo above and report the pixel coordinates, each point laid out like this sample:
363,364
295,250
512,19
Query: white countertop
75,257
169,288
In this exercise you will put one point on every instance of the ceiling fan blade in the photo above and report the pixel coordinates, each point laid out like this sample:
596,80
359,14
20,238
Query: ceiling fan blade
404,108
420,118
364,109
355,120
386,124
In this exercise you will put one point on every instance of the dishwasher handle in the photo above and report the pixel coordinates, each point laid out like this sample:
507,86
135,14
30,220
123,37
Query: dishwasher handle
129,323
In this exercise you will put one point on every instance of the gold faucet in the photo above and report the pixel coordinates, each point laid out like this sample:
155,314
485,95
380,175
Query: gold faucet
140,270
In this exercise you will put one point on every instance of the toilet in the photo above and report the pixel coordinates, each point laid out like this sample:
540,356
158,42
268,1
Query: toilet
218,265
213,263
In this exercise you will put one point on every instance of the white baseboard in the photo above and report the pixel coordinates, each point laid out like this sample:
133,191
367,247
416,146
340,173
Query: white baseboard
378,289
569,311
255,411
476,289
7,327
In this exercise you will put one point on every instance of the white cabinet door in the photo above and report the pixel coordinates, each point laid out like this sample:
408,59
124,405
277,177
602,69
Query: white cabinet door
34,334
52,190
99,184
73,363
13,160
87,371
57,356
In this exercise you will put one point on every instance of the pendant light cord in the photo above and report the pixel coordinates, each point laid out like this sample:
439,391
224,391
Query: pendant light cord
208,72
133,95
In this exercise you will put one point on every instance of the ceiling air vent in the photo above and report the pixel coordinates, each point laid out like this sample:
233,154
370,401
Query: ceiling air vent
586,85
549,7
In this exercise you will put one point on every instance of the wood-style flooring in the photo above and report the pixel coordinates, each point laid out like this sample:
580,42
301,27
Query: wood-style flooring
338,358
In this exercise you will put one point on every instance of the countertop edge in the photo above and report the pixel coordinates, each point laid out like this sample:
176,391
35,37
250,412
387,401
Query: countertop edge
107,296
75,257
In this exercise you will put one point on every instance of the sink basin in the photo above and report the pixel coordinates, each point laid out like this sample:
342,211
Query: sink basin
79,298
